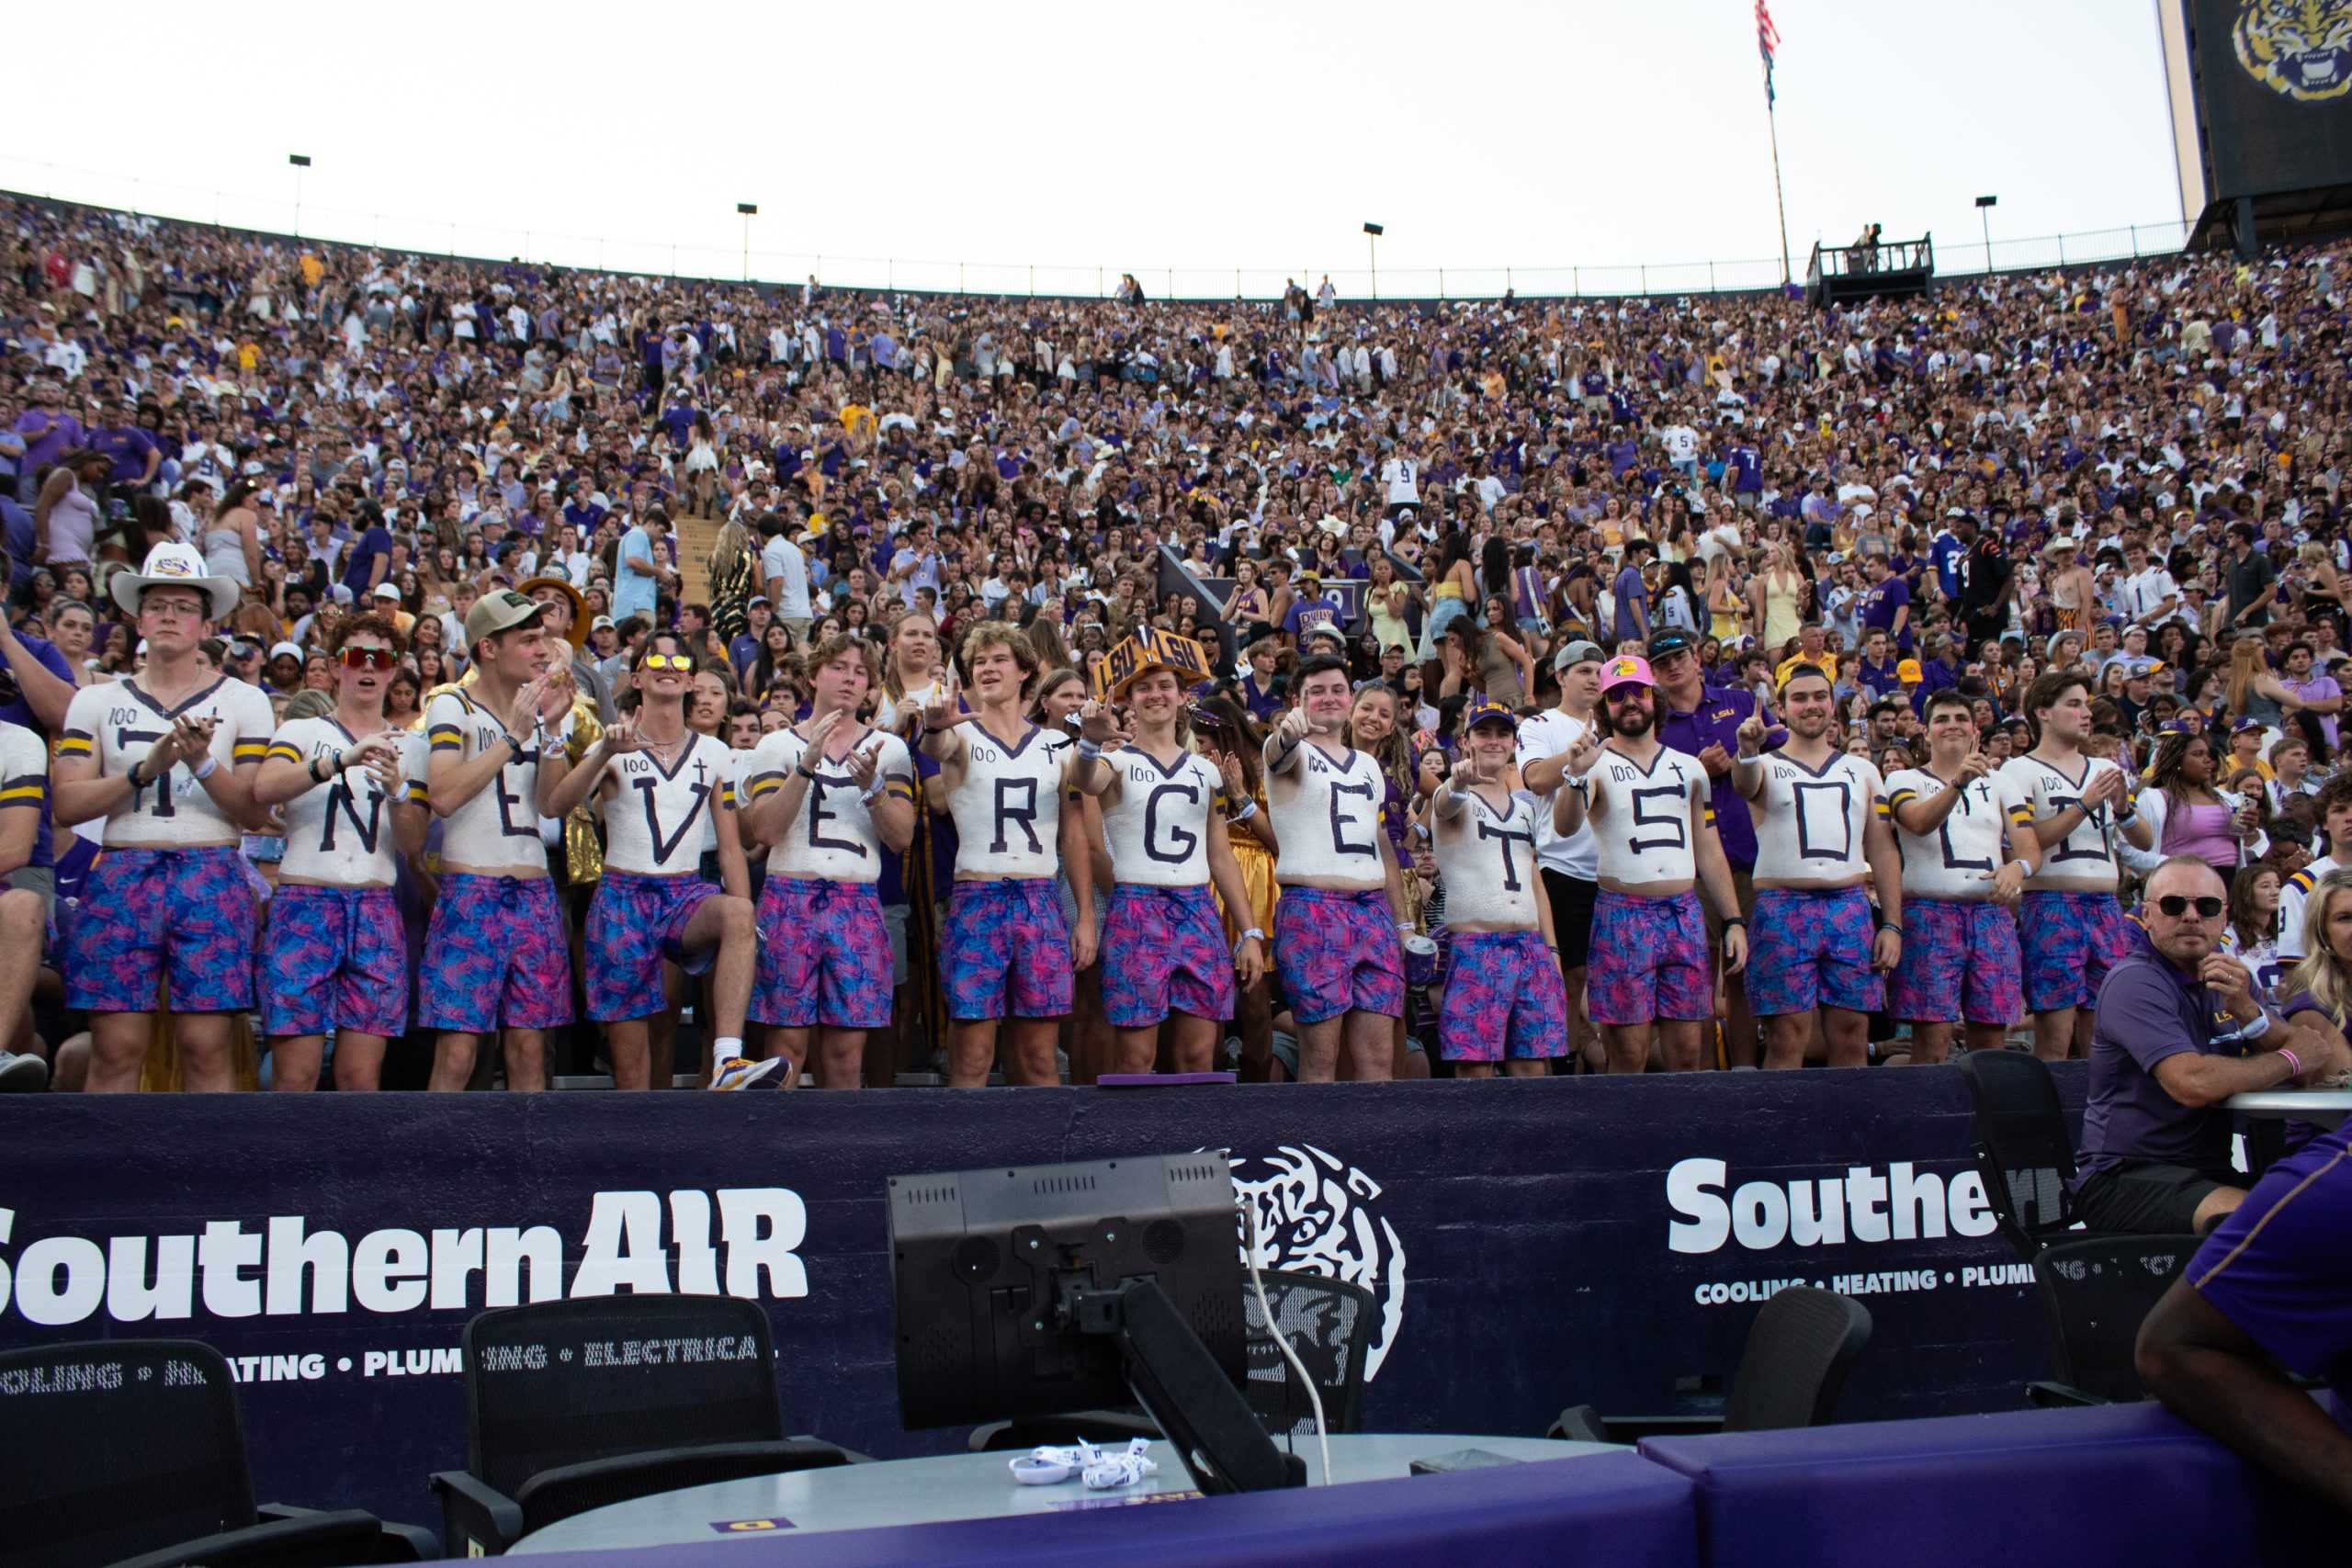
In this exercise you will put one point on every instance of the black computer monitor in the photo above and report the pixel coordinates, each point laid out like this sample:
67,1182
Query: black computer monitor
1049,1289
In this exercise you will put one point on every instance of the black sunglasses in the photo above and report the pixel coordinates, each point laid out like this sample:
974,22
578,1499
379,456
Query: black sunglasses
2174,906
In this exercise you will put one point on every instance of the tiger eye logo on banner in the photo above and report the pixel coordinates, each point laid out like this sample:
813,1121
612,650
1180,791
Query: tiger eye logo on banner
2297,49
1316,1214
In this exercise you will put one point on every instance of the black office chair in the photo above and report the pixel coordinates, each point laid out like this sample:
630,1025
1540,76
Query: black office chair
2024,1154
2095,1293
2095,1286
129,1452
1791,1370
573,1405
1329,1325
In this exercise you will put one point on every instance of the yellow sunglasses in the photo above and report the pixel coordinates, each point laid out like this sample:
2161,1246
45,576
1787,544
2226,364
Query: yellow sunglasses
679,662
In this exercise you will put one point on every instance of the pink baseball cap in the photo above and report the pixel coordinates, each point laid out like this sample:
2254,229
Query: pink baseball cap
1625,670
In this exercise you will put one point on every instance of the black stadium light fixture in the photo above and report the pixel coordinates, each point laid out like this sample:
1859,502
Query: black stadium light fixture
1373,232
1984,221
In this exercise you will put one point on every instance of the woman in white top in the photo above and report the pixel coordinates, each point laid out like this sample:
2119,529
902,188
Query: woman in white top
1776,599
912,675
233,537
65,517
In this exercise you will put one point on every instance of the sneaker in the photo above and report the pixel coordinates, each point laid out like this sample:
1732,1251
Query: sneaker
741,1072
28,1075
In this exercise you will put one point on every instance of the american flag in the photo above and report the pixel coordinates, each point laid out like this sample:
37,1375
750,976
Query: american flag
1768,39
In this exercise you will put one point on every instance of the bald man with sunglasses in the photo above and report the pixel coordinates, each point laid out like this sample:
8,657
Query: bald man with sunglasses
2178,1031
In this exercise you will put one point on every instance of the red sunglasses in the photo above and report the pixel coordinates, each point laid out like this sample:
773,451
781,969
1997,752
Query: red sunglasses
369,658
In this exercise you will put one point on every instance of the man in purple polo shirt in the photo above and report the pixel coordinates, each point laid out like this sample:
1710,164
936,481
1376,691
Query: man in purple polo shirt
2178,1031
1886,603
1704,721
135,455
50,433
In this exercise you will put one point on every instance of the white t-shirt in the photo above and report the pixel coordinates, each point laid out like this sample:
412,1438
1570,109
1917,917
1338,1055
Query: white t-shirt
1958,859
498,829
338,832
2294,894
1008,808
1645,832
656,818
1487,861
120,724
24,768
1553,734
1325,815
1158,825
1403,478
833,837
1809,824
1681,442
2083,861
780,558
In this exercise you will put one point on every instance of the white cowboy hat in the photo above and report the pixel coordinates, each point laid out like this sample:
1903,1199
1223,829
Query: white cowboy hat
178,565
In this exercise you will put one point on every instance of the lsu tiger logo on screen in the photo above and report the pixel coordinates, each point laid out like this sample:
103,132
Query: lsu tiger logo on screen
2297,49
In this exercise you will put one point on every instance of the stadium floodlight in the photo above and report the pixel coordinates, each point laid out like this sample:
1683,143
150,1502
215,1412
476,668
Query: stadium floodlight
1984,219
301,160
750,210
1373,232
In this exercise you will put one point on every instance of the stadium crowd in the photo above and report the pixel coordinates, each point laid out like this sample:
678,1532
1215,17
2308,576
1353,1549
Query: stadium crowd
1502,685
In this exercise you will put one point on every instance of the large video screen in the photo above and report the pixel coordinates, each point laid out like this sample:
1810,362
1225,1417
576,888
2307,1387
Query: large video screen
2276,80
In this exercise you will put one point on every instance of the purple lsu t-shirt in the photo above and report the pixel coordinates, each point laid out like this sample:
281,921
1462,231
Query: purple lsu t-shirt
2277,1267
2148,1011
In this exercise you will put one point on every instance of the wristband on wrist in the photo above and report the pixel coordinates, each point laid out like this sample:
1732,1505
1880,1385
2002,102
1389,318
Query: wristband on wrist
1735,920
803,770
1895,925
1248,810
1252,934
2257,1029
132,774
1090,749
206,769
2293,1061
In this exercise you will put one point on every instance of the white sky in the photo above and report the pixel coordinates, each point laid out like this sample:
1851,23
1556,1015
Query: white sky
1486,134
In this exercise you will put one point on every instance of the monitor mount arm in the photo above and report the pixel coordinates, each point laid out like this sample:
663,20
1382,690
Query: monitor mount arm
1223,1444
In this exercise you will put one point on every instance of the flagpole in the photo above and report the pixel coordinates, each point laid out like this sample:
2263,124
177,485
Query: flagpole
1772,123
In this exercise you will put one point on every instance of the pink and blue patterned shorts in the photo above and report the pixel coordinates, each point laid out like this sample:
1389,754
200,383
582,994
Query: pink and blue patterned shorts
1163,951
496,957
334,958
1005,950
2071,939
1337,951
1959,963
635,924
824,957
1648,960
1810,948
1503,997
147,914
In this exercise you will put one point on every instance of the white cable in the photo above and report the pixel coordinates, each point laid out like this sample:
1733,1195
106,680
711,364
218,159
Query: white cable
1273,1330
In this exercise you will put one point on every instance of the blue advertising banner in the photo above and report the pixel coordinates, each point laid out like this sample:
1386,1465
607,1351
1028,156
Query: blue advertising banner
1532,1244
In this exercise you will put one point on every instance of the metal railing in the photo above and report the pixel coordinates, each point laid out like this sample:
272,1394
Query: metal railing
705,253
